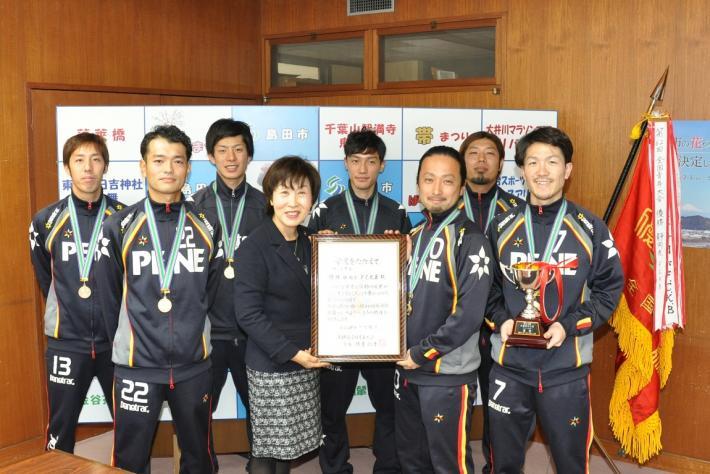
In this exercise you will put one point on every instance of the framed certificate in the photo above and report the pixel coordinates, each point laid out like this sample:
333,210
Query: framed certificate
358,297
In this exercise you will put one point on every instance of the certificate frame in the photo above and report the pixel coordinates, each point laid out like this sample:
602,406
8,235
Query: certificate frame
386,345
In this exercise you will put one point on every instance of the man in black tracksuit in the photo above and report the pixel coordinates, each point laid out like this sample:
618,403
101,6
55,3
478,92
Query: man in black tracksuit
156,309
360,209
484,199
77,340
239,208
551,382
449,279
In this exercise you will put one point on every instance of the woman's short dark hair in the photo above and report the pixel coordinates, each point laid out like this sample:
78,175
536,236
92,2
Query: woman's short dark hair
291,172
224,128
483,135
81,139
548,135
446,151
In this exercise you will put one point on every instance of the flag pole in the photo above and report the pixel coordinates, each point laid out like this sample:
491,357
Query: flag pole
656,96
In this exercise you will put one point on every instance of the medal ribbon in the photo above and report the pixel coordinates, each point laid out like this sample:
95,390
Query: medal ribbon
85,261
544,262
353,216
229,240
165,272
417,260
491,208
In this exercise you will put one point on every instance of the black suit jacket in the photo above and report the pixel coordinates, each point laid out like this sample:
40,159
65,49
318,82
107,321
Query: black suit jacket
272,298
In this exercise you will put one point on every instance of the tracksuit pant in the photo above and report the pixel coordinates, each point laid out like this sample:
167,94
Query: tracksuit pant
227,357
432,427
484,347
137,410
337,391
69,375
563,410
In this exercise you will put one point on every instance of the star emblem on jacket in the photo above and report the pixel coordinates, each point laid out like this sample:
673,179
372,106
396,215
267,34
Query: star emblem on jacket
438,418
480,263
574,421
142,240
33,237
609,244
518,242
68,233
103,246
316,211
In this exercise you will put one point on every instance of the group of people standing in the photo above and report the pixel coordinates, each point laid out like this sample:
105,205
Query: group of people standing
162,299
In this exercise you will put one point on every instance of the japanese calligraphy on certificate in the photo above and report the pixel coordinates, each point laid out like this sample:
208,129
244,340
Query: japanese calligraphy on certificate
358,297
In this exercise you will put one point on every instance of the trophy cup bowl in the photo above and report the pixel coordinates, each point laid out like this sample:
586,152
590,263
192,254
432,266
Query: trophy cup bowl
527,327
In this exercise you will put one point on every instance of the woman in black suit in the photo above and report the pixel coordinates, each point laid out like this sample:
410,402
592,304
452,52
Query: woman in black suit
273,306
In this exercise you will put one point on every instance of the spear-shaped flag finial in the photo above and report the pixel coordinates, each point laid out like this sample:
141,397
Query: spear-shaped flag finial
658,91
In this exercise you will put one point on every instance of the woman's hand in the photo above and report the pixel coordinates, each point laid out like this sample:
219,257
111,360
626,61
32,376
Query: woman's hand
307,360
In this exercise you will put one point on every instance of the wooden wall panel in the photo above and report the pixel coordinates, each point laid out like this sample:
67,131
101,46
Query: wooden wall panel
596,63
173,51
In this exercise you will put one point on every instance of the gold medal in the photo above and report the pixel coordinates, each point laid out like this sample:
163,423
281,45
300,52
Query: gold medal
164,304
84,291
229,271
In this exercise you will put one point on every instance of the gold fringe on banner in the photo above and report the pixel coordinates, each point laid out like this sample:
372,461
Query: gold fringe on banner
642,441
635,342
665,351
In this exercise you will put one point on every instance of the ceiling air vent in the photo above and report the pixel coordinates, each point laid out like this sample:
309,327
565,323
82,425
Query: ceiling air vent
365,7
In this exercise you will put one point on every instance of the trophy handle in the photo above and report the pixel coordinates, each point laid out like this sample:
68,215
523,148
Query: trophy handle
553,271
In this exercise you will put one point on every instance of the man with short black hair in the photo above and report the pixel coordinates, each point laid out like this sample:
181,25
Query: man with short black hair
239,208
484,199
552,382
157,283
64,243
449,278
360,209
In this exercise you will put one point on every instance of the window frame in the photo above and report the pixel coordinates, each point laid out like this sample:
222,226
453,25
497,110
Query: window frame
484,82
305,38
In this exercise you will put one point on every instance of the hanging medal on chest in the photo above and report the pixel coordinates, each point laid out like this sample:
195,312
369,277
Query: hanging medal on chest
84,291
165,271
164,304
229,239
229,271
85,260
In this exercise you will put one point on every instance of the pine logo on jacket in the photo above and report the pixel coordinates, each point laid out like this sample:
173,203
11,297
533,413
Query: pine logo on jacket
189,259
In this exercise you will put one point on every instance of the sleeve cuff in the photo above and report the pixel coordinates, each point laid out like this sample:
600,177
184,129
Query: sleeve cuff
421,357
286,354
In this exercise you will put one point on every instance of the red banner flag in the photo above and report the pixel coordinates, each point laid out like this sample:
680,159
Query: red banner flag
648,238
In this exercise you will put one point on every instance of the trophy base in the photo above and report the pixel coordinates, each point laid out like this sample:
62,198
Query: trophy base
527,333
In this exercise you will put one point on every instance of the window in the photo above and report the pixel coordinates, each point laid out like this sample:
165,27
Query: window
456,52
317,63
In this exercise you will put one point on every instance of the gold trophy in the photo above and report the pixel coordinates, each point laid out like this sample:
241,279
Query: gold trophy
527,327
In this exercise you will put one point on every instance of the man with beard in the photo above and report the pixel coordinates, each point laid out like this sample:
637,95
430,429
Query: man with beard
449,279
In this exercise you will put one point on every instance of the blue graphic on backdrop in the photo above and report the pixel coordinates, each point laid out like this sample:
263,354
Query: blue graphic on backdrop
281,130
693,141
202,173
334,180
